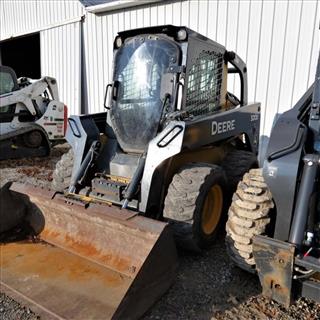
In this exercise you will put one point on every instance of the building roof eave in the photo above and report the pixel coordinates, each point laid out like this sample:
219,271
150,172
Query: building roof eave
119,4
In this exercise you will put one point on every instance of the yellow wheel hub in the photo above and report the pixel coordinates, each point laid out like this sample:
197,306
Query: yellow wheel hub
212,209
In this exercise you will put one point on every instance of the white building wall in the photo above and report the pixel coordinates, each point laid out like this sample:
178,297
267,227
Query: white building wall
19,17
60,40
279,40
61,59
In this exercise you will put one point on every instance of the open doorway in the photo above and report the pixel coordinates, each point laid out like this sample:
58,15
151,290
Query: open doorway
22,54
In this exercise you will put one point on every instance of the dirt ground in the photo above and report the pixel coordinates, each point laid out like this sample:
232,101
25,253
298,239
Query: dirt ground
208,286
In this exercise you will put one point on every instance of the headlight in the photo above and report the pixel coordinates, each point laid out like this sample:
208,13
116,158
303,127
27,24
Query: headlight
182,34
118,42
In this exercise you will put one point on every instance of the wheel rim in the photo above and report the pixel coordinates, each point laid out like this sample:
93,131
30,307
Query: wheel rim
33,139
212,209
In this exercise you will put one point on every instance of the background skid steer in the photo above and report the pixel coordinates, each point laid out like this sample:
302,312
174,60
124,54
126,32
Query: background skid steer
170,149
32,119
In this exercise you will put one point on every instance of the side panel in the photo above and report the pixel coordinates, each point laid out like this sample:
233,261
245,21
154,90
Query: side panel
283,159
53,121
167,144
225,125
81,132
192,135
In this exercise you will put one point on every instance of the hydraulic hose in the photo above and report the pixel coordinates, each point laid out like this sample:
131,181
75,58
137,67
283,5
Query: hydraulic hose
310,169
85,165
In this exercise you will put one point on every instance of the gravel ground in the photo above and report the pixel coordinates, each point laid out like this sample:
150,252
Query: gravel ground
37,171
12,310
207,287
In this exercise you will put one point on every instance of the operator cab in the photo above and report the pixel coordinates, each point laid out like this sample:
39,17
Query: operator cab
8,84
166,72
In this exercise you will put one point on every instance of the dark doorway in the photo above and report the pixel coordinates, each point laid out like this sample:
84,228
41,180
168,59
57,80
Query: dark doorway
22,55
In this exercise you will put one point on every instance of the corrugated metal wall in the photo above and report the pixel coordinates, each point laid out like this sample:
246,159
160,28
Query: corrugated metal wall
60,41
20,16
61,58
278,39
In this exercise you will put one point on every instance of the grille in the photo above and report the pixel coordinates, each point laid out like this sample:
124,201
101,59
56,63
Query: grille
204,84
139,82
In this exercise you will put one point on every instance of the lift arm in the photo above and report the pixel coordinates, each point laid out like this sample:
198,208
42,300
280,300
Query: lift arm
25,95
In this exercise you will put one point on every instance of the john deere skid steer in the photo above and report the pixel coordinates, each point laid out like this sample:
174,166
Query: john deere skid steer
274,220
163,159
32,119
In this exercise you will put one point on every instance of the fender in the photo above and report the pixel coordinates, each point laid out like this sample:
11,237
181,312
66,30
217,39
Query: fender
81,132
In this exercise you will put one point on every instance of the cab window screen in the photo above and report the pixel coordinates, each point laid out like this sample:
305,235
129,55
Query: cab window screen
204,84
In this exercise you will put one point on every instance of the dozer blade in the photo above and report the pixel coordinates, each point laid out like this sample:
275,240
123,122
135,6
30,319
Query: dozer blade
95,262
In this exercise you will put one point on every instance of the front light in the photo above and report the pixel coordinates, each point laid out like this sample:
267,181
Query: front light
118,42
182,34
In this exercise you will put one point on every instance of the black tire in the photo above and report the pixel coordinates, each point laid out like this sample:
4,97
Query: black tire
195,205
249,215
63,171
33,139
236,164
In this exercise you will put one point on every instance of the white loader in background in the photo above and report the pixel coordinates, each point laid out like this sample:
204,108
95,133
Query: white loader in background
32,119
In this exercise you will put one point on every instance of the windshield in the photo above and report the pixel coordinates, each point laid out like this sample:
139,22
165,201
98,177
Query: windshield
141,66
6,82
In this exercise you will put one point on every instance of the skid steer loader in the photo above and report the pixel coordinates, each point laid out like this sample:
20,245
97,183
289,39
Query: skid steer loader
164,157
32,119
274,220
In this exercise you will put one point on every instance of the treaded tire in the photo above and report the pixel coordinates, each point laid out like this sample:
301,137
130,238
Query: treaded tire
63,171
236,164
249,215
185,201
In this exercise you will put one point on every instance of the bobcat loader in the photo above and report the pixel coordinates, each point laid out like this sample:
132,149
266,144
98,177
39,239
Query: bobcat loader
159,164
32,119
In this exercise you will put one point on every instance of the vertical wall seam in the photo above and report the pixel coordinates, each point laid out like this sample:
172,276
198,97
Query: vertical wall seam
312,43
188,12
180,15
198,18
207,25
107,34
237,38
172,15
283,55
180,12
248,32
269,66
217,21
157,15
227,20
258,59
105,76
296,57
